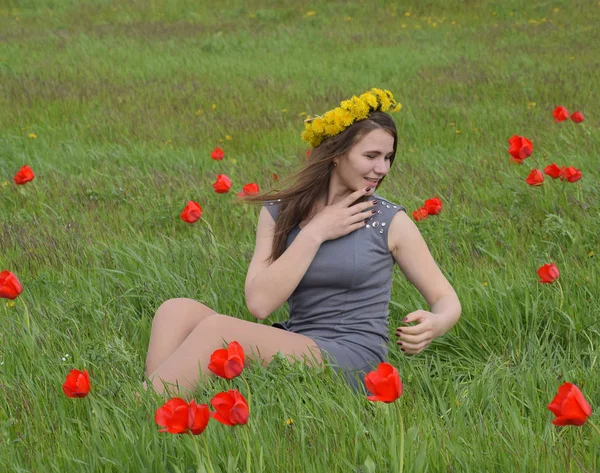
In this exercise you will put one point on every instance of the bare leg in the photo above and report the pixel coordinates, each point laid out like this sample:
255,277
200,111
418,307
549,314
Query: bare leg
173,322
262,342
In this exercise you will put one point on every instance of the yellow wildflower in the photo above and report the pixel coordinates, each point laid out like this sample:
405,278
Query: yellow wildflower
10,304
228,137
32,135
348,18
198,112
407,13
214,106
310,13
288,421
318,125
370,99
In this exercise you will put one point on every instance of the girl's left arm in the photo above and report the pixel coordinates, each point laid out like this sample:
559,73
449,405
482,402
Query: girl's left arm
414,259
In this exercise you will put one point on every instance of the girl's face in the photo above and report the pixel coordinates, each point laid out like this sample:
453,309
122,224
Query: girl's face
367,161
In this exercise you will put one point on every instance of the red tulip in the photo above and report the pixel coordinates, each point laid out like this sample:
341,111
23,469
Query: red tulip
217,154
420,214
77,384
10,287
384,383
192,212
520,148
548,273
198,417
249,189
569,406
554,171
577,117
231,407
222,184
560,114
535,178
228,362
433,206
174,416
571,174
24,175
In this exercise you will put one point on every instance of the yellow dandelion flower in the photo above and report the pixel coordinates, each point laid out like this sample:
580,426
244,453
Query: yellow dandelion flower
333,129
407,13
485,283
590,254
308,135
32,135
214,106
347,104
397,108
556,10
10,304
284,110
310,13
454,22
348,18
346,118
370,99
234,161
288,421
434,25
5,183
318,125
458,132
228,137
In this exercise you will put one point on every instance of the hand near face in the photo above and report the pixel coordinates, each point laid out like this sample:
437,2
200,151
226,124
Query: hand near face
414,339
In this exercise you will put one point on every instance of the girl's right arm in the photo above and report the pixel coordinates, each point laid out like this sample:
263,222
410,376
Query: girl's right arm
268,286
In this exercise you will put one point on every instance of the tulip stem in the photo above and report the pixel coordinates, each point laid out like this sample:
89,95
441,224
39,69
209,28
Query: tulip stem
401,422
248,466
562,296
207,454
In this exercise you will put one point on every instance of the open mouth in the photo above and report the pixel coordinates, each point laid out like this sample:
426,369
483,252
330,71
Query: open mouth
372,181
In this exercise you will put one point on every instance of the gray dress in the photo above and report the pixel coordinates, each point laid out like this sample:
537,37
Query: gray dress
342,301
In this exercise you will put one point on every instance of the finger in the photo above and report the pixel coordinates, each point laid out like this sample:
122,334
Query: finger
412,338
361,216
413,329
356,195
412,348
413,317
363,206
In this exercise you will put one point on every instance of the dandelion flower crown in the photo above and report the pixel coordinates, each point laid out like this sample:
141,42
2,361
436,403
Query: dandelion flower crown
350,111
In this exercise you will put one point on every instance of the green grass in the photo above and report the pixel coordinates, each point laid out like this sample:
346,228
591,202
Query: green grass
120,94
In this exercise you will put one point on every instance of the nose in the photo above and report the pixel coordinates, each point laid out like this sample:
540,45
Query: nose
382,166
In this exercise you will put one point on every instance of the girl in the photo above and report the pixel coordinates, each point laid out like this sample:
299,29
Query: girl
327,244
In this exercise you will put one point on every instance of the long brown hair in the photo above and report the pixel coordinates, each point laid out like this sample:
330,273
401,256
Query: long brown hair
312,180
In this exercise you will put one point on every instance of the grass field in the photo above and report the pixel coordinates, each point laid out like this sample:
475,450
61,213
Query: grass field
117,105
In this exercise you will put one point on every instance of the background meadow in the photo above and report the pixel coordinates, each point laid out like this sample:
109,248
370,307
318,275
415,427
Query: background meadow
116,105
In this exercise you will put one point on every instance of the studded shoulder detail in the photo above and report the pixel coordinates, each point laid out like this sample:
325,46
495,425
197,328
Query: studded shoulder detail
385,211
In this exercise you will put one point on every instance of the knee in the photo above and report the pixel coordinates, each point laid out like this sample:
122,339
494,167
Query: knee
180,310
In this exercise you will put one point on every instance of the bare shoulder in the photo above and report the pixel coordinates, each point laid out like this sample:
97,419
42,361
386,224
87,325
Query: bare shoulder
402,229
